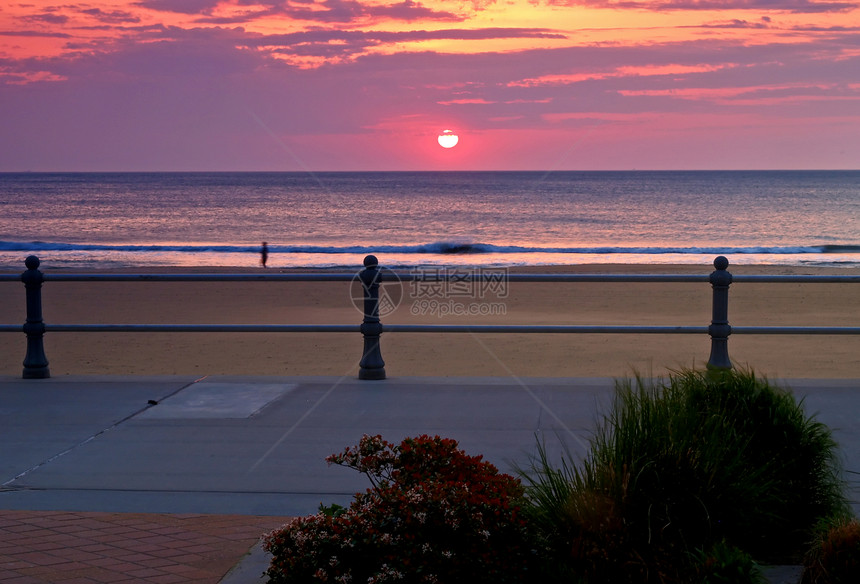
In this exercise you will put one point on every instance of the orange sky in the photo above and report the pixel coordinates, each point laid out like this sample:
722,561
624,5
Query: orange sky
353,85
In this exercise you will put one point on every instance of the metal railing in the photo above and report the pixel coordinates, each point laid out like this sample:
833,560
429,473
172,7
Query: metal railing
372,365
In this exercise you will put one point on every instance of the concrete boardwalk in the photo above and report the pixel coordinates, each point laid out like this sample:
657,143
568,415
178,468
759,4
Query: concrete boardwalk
173,479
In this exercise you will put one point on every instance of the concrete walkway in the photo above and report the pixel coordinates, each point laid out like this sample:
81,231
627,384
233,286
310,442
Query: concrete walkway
174,479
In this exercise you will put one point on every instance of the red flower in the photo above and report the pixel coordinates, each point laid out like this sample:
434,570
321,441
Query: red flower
433,514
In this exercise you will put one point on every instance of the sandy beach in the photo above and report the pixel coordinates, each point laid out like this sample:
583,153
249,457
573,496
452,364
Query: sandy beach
423,354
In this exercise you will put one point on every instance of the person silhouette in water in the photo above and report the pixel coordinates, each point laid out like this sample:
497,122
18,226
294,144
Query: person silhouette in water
264,254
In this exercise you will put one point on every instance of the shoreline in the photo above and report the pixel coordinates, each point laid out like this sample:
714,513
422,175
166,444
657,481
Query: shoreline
437,354
597,268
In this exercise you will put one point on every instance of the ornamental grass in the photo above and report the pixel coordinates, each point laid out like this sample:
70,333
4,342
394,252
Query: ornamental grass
680,466
835,554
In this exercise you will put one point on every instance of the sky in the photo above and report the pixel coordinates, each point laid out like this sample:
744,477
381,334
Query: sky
343,85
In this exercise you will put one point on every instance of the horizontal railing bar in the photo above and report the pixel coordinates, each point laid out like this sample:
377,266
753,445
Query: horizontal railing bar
798,278
796,330
303,277
389,276
204,328
385,276
489,328
431,328
352,328
490,277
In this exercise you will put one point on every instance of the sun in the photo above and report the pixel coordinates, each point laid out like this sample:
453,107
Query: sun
448,139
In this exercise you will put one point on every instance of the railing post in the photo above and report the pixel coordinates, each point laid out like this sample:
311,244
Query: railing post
371,365
720,329
35,362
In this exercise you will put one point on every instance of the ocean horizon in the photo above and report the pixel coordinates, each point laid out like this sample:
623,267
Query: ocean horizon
457,218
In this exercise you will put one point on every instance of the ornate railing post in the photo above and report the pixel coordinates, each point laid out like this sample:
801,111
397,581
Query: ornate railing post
35,362
720,329
371,365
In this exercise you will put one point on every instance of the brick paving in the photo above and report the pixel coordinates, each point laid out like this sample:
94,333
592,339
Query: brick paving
38,547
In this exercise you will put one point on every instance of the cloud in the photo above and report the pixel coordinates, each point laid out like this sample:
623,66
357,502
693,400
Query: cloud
12,77
180,6
411,11
320,11
738,23
359,38
316,47
35,33
793,6
47,18
113,17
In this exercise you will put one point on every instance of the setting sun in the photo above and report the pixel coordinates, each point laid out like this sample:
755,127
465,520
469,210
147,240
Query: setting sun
448,139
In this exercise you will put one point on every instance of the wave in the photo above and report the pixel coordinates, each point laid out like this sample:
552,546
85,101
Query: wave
436,248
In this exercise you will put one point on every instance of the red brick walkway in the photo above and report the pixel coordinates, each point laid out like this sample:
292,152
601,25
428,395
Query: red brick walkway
90,548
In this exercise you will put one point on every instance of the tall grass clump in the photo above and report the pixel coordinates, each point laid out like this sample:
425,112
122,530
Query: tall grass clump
835,554
681,465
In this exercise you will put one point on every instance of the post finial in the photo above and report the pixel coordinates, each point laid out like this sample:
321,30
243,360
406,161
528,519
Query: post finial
370,261
32,262
721,262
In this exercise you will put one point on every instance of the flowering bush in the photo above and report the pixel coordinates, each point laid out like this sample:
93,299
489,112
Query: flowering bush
433,514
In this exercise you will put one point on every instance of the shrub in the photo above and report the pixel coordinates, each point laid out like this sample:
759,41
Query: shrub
835,555
580,532
433,514
682,465
713,456
725,564
787,476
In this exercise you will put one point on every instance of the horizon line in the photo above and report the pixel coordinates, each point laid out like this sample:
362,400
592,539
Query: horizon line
544,170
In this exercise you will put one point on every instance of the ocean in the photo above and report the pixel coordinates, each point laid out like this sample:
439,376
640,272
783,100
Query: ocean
333,219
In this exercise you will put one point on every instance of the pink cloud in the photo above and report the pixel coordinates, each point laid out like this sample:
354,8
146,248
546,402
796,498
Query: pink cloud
47,18
180,6
112,17
322,11
793,6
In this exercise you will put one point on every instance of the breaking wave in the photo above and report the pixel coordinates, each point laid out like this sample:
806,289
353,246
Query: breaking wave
436,248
